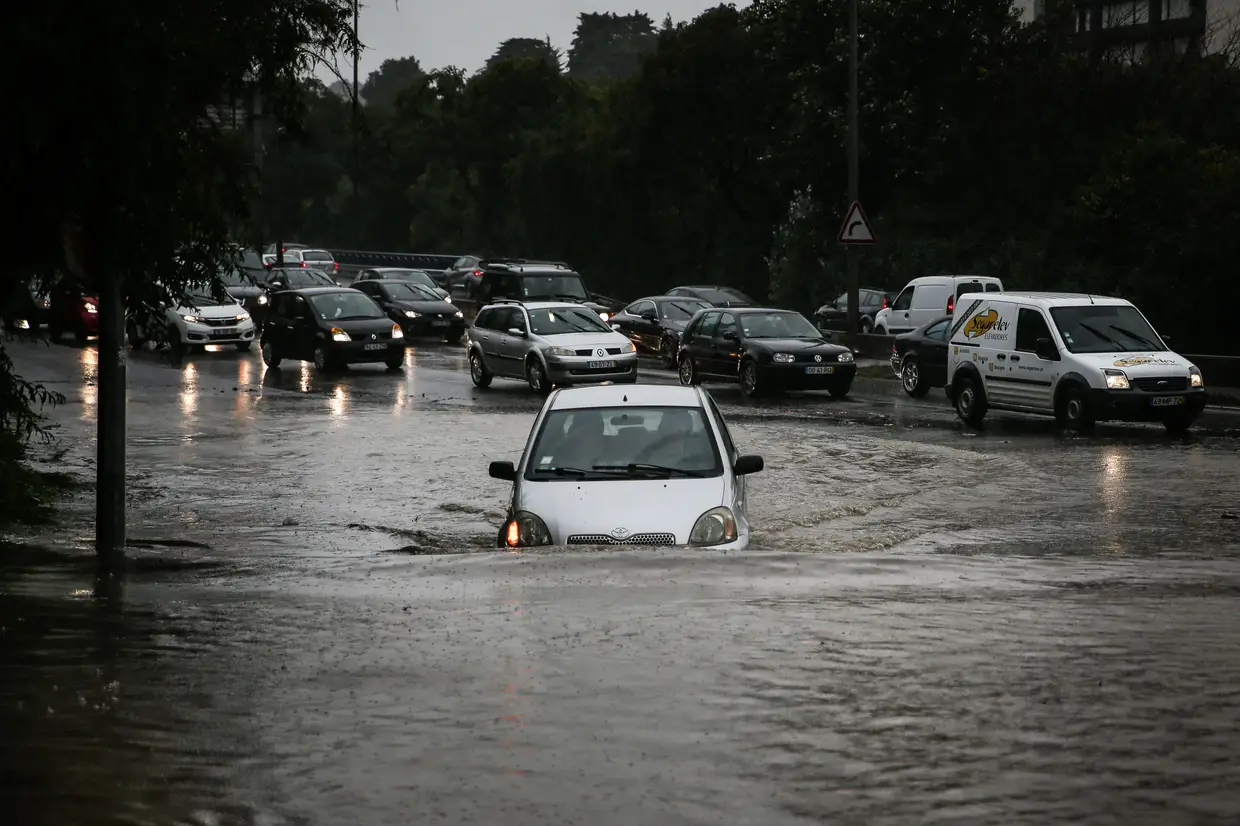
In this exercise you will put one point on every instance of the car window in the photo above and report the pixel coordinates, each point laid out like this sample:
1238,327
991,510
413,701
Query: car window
727,326
411,292
483,319
317,255
344,306
930,297
368,287
681,310
778,324
841,303
707,326
992,287
551,286
723,429
561,320
968,287
643,306
1030,326
938,330
904,300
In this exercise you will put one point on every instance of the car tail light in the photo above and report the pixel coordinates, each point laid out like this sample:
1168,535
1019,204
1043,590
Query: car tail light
478,273
951,304
303,263
884,302
336,266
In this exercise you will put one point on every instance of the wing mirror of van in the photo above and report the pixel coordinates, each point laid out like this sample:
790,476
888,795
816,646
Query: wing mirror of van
503,470
748,464
1045,349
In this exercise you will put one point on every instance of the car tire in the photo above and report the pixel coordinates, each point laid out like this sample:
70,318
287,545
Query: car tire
839,391
867,326
176,347
1178,424
454,339
1073,410
536,375
478,371
54,330
880,330
270,357
687,371
322,359
970,404
244,346
136,341
667,353
395,362
79,333
750,381
910,378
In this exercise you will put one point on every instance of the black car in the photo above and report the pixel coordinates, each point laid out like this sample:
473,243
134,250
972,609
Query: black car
654,324
293,278
241,286
834,316
331,326
716,296
251,263
418,309
520,280
27,307
403,274
767,350
920,357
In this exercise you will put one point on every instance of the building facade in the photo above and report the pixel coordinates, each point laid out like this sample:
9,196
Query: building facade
1131,29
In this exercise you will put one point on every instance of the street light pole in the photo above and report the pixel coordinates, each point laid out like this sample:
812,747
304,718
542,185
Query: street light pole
854,172
357,212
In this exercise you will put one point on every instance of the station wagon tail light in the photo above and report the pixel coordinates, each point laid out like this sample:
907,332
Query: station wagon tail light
397,332
715,527
340,335
526,530
336,265
951,304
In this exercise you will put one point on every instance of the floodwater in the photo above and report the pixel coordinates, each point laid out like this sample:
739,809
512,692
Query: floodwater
933,625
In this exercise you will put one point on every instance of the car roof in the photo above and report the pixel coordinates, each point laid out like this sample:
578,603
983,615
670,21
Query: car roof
1047,300
615,395
536,305
324,290
397,269
986,279
316,249
751,310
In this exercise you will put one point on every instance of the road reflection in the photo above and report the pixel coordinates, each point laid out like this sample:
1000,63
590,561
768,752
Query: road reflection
89,360
189,391
1113,494
339,402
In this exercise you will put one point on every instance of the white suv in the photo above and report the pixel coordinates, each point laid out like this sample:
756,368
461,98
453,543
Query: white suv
927,298
644,464
1079,358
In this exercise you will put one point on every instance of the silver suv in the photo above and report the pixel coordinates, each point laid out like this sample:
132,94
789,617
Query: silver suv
547,343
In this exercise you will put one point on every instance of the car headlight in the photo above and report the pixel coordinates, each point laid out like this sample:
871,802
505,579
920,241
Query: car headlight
604,316
715,527
560,351
783,358
1116,380
243,317
526,530
628,347
460,314
1194,377
262,299
397,332
340,335
190,318
413,314
91,307
448,298
846,357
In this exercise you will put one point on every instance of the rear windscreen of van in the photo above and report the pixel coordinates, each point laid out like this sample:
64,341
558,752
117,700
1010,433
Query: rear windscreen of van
976,287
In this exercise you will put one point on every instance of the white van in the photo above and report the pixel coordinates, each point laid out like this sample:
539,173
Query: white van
1079,358
927,298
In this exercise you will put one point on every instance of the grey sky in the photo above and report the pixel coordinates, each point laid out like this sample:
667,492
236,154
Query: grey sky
464,33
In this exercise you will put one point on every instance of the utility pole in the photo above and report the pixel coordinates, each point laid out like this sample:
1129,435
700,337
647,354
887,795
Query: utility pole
357,164
110,494
854,173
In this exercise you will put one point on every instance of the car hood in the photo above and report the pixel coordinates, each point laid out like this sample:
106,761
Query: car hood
635,505
245,292
1137,365
360,326
427,307
799,345
221,311
578,341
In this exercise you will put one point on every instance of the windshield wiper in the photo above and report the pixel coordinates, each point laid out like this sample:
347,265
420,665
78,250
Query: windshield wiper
568,297
1149,344
1104,336
638,467
568,471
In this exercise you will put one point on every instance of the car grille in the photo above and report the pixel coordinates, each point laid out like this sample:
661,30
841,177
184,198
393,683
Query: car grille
610,371
1152,385
222,322
827,358
611,351
384,336
635,539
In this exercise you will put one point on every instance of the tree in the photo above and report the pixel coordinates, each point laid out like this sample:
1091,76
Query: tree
610,46
393,76
526,47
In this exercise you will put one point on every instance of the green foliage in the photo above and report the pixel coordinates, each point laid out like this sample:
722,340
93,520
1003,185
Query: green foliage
393,76
610,46
519,48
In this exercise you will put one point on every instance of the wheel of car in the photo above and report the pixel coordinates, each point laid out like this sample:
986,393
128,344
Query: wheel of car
970,404
54,330
749,379
1179,423
867,326
478,371
839,391
910,379
1073,409
243,346
270,357
537,377
688,371
176,347
135,338
880,330
667,353
79,333
454,339
322,361
395,362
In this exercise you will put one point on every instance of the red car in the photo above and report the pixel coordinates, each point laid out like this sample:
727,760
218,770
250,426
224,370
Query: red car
72,312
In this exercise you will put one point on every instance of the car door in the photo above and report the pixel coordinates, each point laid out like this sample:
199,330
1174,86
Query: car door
1031,377
726,348
699,345
510,347
647,329
988,331
898,320
276,325
625,322
303,330
483,334
933,355
731,455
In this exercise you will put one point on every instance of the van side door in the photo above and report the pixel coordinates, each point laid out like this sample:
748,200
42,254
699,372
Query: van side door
898,321
929,302
1032,378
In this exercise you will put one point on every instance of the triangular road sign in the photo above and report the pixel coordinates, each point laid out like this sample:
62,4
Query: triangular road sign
856,228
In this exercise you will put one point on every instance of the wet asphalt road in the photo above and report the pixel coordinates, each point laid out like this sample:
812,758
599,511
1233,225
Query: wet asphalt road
933,626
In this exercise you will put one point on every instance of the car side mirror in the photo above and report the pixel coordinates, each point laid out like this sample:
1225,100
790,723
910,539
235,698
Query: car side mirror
748,464
1045,349
731,337
649,315
504,470
513,331
616,327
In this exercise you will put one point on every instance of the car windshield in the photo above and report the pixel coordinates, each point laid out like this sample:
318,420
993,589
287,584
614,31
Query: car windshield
560,320
1105,328
411,292
681,309
417,276
626,442
308,278
199,299
251,260
554,286
317,255
344,306
236,278
777,325
728,296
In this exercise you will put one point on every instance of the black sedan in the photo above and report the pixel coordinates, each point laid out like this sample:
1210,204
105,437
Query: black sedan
834,316
766,350
920,357
331,326
403,274
654,324
714,295
418,309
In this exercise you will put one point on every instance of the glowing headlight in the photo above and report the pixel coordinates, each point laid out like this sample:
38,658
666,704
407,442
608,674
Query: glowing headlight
628,347
91,307
262,299
604,316
1116,380
190,318
1194,377
715,527
460,314
846,357
783,358
397,332
412,314
526,530
560,351
448,298
340,335
243,317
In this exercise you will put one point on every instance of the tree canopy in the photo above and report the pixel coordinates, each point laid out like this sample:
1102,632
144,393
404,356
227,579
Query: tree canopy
391,78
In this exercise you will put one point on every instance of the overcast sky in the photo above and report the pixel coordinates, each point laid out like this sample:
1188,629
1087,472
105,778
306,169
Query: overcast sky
464,33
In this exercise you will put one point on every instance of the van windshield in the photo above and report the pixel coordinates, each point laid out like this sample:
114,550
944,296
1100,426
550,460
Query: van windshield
1106,328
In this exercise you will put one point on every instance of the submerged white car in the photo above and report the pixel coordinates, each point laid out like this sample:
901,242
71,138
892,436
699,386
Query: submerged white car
628,465
200,319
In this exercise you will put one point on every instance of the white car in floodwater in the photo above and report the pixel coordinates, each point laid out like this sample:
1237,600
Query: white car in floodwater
631,464
200,319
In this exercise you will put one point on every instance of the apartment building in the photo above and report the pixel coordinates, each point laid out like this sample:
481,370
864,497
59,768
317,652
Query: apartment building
1129,29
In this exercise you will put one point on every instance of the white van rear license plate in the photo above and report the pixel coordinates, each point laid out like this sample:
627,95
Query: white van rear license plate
818,371
1166,401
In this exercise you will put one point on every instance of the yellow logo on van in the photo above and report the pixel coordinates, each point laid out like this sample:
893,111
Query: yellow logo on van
1137,361
981,324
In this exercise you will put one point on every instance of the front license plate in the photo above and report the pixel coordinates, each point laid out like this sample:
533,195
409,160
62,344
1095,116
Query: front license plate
1166,401
227,332
819,370
601,365
439,322
375,347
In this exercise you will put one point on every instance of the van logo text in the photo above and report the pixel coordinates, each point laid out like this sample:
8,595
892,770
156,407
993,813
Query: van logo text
984,323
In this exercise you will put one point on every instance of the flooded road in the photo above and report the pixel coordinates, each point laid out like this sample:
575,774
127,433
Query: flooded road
934,625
